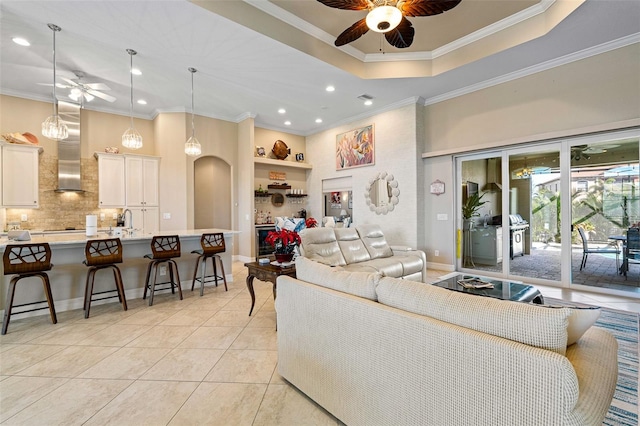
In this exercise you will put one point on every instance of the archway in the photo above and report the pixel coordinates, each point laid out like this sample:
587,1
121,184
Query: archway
212,193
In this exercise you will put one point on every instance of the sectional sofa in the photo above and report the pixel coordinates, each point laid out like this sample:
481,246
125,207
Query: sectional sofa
363,249
375,350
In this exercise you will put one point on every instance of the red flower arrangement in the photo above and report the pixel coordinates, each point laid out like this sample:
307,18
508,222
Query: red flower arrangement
311,223
283,241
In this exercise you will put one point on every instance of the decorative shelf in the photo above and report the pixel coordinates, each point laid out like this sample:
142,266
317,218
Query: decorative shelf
281,163
279,186
262,194
296,195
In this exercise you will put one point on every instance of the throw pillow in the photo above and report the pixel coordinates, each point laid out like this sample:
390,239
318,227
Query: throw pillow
361,284
580,320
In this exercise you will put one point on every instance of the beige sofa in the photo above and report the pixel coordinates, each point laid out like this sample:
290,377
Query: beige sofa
364,249
375,350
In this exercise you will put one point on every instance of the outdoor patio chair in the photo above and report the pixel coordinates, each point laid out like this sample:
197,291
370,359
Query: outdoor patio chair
631,249
586,250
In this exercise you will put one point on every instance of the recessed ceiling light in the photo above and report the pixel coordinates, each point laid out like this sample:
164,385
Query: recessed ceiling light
368,102
282,111
318,120
21,41
136,71
330,89
142,102
287,123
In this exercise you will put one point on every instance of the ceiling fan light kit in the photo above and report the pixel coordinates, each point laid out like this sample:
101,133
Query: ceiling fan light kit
383,18
131,138
388,17
192,147
54,127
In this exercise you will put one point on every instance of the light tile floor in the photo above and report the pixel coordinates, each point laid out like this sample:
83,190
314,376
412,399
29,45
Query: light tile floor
201,360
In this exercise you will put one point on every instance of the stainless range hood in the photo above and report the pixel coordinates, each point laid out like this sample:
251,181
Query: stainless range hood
69,150
493,175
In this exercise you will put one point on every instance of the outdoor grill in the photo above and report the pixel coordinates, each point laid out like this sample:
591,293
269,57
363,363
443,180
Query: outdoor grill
517,226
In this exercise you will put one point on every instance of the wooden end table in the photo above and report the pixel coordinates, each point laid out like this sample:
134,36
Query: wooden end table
268,273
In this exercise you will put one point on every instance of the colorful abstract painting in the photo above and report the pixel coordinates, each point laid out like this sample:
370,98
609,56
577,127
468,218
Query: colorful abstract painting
355,148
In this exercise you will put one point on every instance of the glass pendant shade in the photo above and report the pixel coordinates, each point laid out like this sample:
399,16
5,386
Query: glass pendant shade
192,146
383,18
131,138
54,127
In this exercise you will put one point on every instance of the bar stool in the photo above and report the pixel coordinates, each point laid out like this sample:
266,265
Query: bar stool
27,260
212,244
103,254
164,250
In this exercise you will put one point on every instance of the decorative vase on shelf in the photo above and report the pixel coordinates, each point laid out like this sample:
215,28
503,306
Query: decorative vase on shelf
283,257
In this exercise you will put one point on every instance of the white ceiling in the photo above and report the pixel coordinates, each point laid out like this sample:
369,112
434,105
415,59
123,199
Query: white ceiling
242,72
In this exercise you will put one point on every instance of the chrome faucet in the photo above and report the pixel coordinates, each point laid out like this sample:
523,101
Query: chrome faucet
124,214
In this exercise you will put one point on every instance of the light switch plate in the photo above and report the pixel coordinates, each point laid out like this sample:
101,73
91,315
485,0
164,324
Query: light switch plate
442,216
166,215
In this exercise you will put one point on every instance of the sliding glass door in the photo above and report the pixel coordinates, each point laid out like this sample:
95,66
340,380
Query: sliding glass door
552,213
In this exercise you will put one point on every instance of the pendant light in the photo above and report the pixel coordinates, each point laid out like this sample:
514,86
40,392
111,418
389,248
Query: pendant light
53,127
192,146
131,138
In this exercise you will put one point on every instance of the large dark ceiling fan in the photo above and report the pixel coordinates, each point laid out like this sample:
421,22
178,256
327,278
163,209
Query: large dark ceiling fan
388,17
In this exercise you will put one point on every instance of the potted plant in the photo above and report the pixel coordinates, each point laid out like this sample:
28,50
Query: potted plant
284,243
471,206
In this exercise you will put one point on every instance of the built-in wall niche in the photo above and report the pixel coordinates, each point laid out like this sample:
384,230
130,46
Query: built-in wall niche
275,182
337,203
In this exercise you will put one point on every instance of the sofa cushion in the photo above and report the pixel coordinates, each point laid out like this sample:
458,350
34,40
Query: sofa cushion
521,322
374,241
362,284
320,244
352,247
580,320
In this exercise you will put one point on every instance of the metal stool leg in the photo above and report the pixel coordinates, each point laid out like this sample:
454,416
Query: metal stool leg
146,281
173,264
224,276
88,292
120,287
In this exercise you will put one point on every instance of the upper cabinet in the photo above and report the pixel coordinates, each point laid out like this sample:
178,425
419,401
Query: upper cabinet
142,180
111,180
20,176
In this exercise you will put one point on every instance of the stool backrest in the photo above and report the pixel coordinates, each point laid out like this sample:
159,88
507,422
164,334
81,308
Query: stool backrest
165,247
212,243
103,252
26,258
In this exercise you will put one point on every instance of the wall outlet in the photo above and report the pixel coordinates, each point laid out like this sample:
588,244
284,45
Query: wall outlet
166,215
23,217
115,216
101,216
436,253
163,270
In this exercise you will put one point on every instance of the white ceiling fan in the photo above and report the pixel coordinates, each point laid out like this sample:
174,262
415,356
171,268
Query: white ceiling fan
81,91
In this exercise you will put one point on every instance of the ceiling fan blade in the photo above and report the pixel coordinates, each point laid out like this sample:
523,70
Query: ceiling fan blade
352,33
402,35
97,86
347,4
426,7
71,82
101,95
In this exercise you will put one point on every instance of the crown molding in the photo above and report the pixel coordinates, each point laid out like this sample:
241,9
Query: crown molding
544,66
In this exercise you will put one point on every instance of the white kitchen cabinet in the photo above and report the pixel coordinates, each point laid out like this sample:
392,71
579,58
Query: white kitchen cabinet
111,181
141,181
487,245
146,220
20,176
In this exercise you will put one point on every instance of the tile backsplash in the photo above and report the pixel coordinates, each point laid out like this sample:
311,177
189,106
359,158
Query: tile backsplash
60,211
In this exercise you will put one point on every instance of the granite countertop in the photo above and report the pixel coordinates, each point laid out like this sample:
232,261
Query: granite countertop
75,237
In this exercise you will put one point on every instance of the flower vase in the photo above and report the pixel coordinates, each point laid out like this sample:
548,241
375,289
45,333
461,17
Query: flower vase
283,257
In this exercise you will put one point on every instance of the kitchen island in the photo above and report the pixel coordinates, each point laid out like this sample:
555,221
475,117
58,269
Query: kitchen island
68,275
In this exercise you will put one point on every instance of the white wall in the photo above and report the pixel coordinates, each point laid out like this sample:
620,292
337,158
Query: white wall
395,153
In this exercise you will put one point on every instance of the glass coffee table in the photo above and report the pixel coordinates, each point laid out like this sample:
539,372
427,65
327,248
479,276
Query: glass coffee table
505,290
